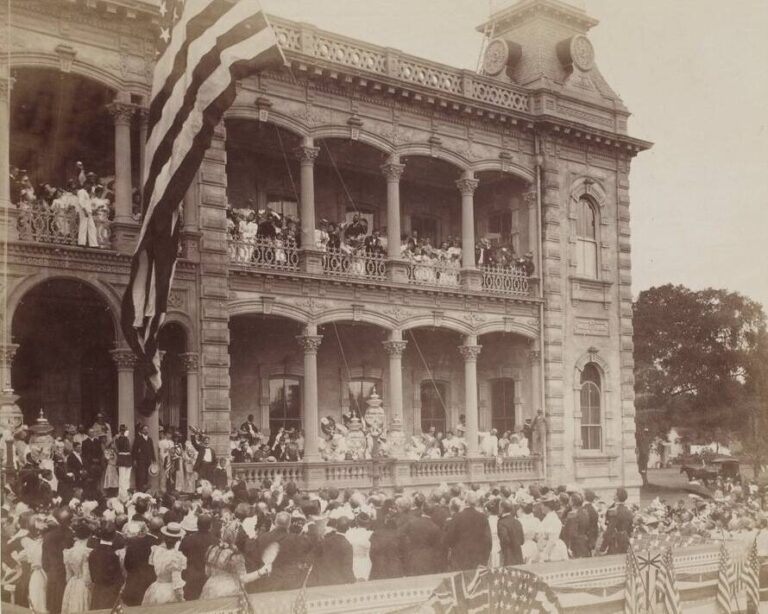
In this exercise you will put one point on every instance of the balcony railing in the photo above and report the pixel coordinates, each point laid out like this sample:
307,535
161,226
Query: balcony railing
341,263
64,227
391,472
507,280
264,254
434,273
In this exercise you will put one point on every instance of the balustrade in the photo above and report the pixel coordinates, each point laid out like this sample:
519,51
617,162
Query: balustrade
263,254
511,281
341,263
434,273
63,227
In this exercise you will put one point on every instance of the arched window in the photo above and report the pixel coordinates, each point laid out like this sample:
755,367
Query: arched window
433,399
591,429
503,404
284,403
586,238
359,390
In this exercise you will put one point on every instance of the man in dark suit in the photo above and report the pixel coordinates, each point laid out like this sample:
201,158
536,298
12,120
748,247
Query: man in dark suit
468,537
250,430
421,544
194,545
143,456
206,458
139,573
290,564
619,520
511,536
106,574
76,467
93,459
593,519
333,563
55,541
576,527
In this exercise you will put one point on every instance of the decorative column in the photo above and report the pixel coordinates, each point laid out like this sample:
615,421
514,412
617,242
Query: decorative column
307,154
534,358
6,83
310,342
8,352
471,278
125,236
191,363
469,352
393,170
125,361
394,349
533,227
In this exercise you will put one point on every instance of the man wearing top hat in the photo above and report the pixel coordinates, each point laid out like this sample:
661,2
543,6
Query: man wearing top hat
206,457
104,566
143,455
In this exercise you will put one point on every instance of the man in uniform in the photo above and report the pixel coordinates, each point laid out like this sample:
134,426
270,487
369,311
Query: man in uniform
124,461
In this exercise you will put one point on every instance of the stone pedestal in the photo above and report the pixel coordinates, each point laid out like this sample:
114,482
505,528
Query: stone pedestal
472,279
311,261
397,270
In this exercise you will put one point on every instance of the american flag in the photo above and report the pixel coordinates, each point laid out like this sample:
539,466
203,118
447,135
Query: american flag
726,582
517,591
750,578
634,598
667,585
505,590
204,47
466,592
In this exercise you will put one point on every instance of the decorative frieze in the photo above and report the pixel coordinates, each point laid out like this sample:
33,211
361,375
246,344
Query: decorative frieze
591,326
470,352
394,348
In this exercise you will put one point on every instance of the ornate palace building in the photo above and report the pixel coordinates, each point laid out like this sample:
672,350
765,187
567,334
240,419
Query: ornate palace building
530,156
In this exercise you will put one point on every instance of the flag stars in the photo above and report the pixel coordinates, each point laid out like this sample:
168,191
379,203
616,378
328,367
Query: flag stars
163,9
165,34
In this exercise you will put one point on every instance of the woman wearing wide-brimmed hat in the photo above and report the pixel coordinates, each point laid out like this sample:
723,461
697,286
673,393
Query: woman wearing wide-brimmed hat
168,563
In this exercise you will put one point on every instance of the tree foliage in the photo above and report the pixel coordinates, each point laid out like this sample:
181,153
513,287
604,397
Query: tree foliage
700,363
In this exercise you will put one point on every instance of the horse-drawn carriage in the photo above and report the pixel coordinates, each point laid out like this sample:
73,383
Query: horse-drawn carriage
716,467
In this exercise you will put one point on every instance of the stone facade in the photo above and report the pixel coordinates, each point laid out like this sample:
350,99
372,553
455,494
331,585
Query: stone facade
538,138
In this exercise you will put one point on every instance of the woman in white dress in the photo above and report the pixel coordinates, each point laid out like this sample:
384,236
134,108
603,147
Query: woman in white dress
190,476
168,563
77,593
164,447
360,538
32,553
492,509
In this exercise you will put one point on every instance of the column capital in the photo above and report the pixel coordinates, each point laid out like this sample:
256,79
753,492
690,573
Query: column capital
8,352
392,171
121,112
470,352
534,356
191,361
143,114
124,359
467,185
394,348
306,154
530,198
309,343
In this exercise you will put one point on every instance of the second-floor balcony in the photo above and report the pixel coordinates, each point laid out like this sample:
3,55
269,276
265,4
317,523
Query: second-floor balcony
65,227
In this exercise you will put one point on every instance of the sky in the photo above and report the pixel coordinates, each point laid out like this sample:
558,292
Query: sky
693,74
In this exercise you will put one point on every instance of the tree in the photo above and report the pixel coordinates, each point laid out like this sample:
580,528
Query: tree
700,362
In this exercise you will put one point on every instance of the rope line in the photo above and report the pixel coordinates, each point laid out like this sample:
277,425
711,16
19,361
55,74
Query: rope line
429,372
341,179
287,164
346,365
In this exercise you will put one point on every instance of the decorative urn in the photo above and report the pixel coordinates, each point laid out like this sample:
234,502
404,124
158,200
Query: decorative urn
375,418
41,440
356,443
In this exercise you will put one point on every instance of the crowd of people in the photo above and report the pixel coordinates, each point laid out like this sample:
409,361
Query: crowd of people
266,236
72,213
71,552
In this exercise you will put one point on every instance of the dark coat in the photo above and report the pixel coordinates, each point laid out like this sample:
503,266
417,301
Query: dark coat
55,541
592,528
421,547
204,469
92,452
140,574
440,515
468,540
123,449
143,456
333,564
195,546
619,522
290,567
106,575
385,553
511,540
575,533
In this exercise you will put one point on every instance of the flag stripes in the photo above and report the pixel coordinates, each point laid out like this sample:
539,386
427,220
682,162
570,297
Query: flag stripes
206,46
750,578
726,581
667,585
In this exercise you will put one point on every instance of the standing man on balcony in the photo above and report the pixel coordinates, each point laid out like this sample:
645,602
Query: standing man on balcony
86,234
143,457
250,430
539,428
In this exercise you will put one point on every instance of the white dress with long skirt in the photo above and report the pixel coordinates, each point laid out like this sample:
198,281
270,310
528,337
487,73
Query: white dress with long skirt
360,539
168,564
77,593
32,552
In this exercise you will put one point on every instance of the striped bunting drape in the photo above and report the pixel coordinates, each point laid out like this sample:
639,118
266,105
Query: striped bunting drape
204,47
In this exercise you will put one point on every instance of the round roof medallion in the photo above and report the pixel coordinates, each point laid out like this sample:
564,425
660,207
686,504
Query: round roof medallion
582,53
496,57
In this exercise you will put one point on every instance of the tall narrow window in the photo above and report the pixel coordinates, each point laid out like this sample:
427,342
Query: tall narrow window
591,429
586,239
433,401
503,404
284,403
